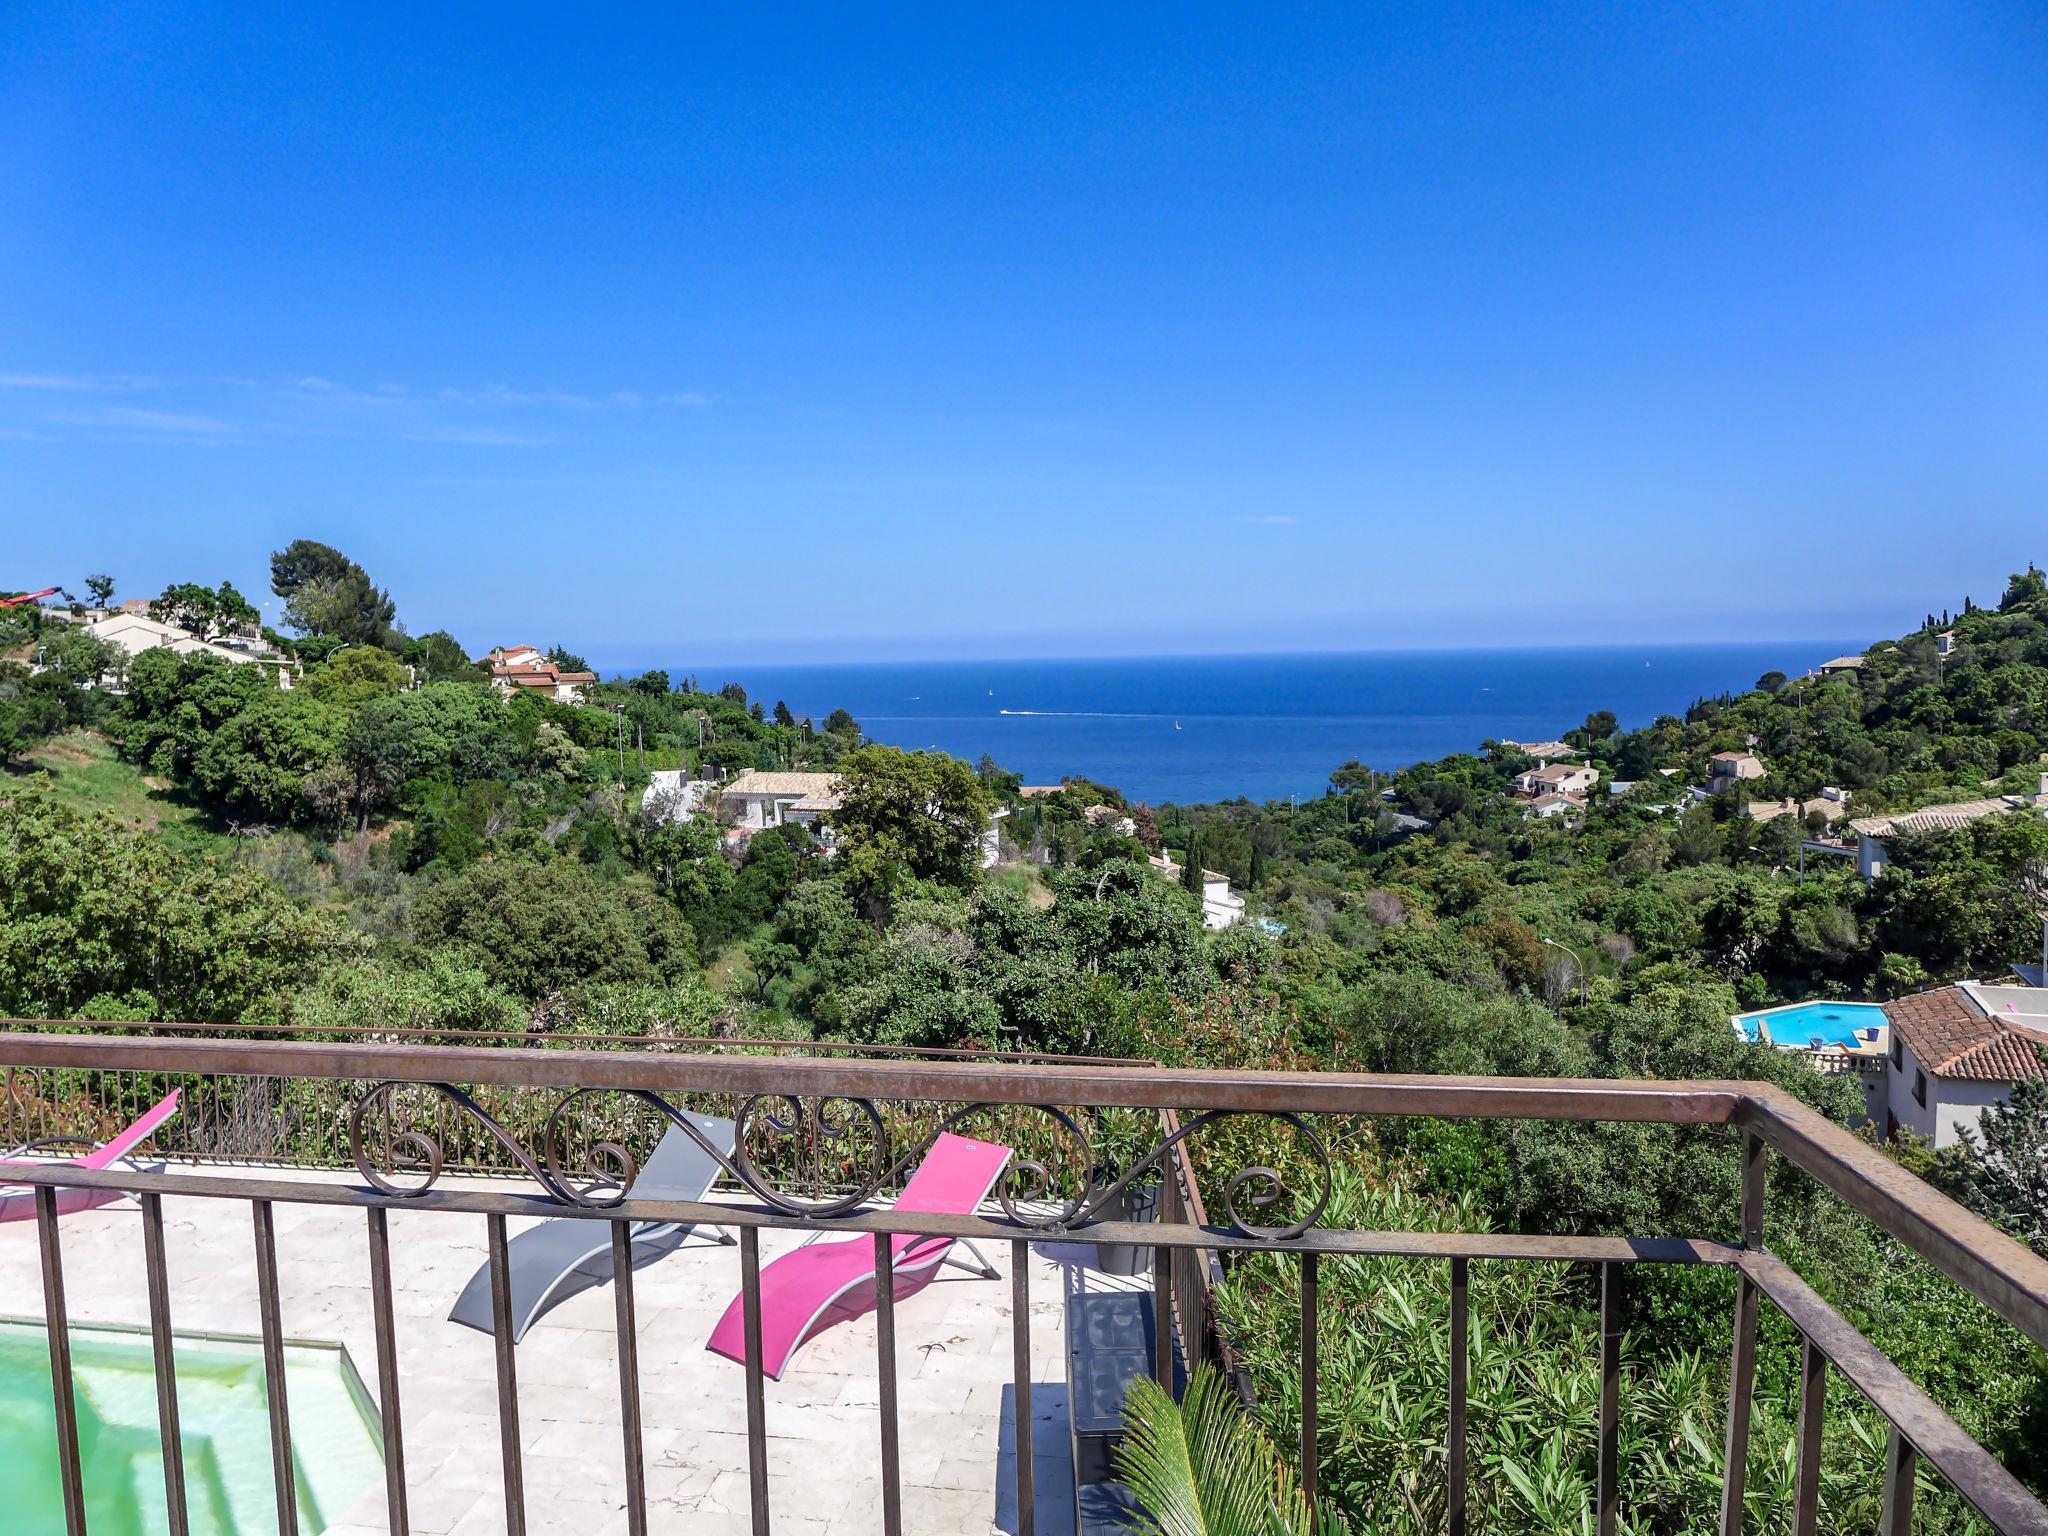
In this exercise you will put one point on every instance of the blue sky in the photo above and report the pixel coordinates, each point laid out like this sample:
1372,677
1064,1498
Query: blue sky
838,333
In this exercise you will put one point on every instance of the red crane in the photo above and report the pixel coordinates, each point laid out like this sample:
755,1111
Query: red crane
30,597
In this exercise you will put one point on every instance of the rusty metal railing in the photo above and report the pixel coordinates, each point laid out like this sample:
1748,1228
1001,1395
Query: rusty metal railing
832,1111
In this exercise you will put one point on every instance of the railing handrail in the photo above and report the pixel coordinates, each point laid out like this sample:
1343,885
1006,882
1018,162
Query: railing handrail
1119,1085
2003,1274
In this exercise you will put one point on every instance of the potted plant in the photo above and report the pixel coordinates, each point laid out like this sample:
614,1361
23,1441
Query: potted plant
1121,1139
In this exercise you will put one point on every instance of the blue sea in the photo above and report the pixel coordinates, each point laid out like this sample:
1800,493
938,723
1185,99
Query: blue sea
1199,728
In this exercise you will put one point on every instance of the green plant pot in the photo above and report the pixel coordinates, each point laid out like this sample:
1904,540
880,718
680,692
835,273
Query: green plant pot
1140,1202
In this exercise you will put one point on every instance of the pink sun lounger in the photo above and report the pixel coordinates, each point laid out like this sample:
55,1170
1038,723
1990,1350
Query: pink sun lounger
807,1291
18,1201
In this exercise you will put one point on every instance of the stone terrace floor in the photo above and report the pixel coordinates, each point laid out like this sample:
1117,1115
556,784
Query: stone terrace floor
954,1369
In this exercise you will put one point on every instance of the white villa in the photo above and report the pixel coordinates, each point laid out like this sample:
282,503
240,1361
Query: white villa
758,800
1557,779
1872,831
136,633
1221,906
675,796
1956,1051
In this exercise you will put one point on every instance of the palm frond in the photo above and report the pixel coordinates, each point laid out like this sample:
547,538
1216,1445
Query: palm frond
1200,1468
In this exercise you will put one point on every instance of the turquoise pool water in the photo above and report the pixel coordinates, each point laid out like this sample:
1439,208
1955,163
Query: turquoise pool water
1831,1023
337,1451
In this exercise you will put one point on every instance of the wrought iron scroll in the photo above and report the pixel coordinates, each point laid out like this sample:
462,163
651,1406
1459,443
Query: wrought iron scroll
414,1160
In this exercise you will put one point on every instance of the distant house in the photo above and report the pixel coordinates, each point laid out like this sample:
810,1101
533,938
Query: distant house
1109,817
675,796
1873,832
1954,1054
1830,805
1840,665
760,800
136,633
1039,791
1945,642
1557,779
1221,906
1547,806
1543,751
526,669
991,844
1727,769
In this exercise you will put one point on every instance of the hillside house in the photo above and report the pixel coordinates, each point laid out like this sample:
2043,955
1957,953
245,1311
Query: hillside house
136,633
1557,779
1874,832
1840,665
526,669
1221,906
1544,751
1831,805
758,801
1955,1052
673,796
1727,769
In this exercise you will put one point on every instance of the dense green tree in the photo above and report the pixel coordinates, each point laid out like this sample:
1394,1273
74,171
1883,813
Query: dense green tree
907,816
439,657
100,589
96,921
326,593
538,927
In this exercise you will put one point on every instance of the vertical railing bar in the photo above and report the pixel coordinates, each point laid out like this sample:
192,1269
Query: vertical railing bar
163,1347
1311,1312
1900,1460
387,1373
1610,1398
1162,1318
508,1378
1813,1403
1020,1359
885,1370
1742,1361
283,1479
1461,1305
629,1379
57,1323
757,1405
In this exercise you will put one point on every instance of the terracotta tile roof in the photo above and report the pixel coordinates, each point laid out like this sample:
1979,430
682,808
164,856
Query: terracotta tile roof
1952,1039
756,782
1937,818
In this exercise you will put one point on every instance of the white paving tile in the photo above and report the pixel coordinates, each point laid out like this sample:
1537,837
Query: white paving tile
954,1375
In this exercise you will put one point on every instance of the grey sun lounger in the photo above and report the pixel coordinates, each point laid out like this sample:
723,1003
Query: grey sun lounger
557,1259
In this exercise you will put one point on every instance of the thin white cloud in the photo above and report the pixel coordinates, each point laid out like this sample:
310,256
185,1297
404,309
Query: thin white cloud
492,415
137,419
75,383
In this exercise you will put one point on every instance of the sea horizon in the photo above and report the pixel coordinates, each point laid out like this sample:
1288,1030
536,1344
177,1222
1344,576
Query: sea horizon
1262,725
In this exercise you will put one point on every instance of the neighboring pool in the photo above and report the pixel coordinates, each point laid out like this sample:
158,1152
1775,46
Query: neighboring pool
223,1413
1802,1023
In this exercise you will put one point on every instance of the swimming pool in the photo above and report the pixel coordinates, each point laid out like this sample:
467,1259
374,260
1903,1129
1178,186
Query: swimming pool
1802,1023
337,1450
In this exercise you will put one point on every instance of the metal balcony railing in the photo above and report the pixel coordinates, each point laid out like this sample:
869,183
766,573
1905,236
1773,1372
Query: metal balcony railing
824,1138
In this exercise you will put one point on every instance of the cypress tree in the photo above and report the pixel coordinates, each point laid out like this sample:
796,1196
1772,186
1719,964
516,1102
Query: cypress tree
1191,871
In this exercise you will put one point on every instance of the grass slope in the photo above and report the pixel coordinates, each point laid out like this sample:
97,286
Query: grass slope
84,773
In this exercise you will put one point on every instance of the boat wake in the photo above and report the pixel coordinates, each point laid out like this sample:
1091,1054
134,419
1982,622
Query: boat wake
1078,714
